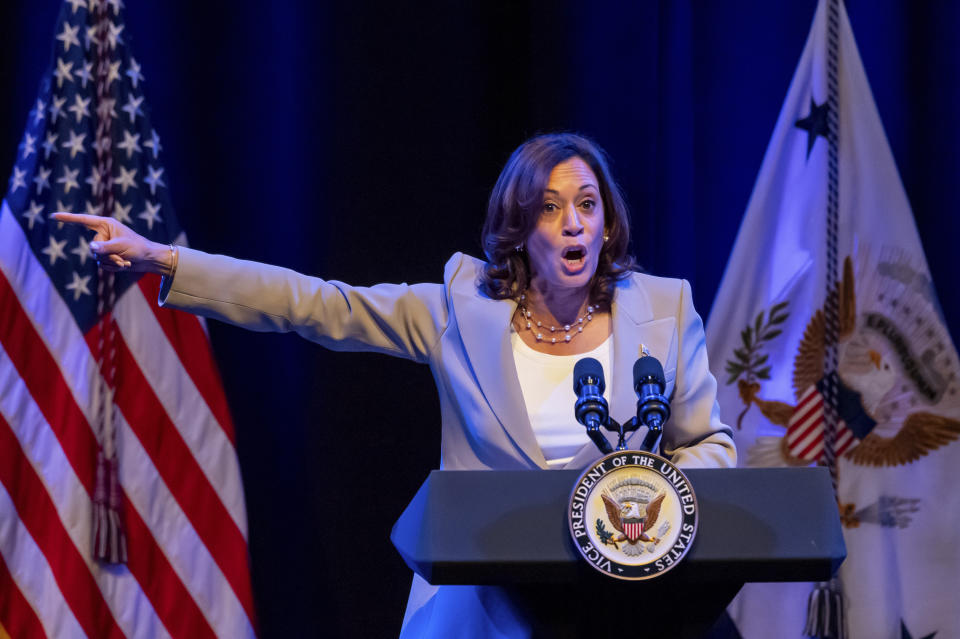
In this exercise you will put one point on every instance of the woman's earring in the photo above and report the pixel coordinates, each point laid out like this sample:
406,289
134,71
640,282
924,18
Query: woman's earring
606,238
518,248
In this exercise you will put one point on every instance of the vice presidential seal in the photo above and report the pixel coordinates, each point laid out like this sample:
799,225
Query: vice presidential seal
633,515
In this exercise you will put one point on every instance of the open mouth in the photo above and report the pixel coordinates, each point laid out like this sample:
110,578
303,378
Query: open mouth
574,254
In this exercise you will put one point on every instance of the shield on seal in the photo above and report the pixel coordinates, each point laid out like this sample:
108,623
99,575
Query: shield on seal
633,528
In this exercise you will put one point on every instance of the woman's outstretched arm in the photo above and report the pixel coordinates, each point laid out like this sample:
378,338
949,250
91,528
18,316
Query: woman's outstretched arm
396,319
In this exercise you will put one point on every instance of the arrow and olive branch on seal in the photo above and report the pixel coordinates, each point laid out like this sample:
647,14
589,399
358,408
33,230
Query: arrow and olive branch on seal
749,364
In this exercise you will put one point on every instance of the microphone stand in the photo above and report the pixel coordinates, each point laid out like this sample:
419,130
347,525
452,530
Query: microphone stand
593,431
651,441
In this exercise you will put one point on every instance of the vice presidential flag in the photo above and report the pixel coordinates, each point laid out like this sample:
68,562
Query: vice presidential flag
76,350
829,346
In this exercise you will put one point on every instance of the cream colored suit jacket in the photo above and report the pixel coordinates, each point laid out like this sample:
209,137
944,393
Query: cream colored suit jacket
465,338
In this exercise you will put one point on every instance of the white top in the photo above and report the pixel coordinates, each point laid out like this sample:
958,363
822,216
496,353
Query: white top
546,382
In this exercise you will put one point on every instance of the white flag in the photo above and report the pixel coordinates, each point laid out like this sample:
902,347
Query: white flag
897,386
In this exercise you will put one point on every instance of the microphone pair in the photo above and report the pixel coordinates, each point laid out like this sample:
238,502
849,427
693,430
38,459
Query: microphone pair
591,409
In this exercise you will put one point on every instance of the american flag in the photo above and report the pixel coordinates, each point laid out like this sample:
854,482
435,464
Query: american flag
89,141
805,429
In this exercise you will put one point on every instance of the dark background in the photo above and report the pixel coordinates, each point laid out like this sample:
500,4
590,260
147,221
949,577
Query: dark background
359,140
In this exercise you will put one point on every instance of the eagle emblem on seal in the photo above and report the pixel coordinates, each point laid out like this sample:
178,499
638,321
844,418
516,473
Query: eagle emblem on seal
896,374
632,519
632,508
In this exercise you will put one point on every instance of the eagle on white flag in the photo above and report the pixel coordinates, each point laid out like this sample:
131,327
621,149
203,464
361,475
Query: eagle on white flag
827,311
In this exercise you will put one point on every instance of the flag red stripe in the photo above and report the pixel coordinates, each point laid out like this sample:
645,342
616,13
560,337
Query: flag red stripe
42,377
16,615
176,608
799,436
189,340
804,411
182,475
845,440
795,436
803,414
817,441
801,444
39,515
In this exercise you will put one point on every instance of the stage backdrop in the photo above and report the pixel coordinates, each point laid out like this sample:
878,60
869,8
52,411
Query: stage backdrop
359,141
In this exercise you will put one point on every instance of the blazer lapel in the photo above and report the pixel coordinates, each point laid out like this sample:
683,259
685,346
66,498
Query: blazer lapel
485,329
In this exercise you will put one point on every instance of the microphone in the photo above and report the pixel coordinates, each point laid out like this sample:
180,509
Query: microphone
591,408
653,409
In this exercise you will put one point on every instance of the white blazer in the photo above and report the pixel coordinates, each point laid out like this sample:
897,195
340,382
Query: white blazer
465,338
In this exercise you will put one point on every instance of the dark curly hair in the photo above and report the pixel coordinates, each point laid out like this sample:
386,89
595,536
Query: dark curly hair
515,206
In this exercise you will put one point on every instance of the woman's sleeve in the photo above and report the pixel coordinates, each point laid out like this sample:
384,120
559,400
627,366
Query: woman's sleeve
396,319
695,437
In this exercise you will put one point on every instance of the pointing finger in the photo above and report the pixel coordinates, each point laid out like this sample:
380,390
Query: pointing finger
94,222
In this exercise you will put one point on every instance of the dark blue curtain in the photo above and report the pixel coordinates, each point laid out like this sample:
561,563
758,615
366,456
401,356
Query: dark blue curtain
358,141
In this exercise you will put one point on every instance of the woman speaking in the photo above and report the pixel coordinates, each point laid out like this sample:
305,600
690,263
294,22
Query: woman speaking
501,336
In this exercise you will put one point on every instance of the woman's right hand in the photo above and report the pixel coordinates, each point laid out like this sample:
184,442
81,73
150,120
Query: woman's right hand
118,248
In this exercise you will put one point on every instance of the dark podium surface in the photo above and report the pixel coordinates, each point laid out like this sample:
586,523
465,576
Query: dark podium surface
509,528
498,527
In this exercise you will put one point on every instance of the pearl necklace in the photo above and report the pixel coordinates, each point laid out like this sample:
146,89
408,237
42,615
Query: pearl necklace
536,326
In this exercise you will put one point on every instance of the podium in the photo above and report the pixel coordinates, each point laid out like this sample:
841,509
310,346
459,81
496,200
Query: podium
509,528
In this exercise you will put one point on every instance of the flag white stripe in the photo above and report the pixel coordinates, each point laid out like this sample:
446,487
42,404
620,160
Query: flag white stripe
806,408
811,448
39,298
32,574
123,595
803,447
796,432
813,424
801,421
844,441
814,453
185,551
183,403
804,441
810,399
799,432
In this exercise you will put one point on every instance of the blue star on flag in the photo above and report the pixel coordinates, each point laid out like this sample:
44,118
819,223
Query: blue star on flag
814,124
